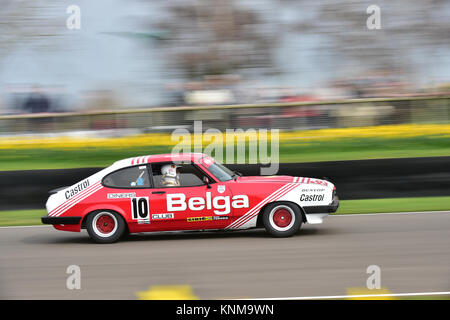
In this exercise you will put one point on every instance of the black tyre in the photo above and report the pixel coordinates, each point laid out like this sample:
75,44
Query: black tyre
105,226
282,219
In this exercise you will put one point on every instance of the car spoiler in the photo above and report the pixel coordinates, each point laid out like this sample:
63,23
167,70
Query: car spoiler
53,191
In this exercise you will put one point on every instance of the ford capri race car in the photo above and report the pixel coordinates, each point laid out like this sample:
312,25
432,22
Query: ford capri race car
188,191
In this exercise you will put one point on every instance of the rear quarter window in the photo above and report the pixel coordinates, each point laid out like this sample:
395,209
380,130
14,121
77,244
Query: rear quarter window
128,178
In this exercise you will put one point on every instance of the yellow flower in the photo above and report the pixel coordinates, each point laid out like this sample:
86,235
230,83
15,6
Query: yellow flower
166,139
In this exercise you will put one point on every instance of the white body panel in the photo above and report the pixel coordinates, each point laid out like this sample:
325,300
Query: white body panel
309,192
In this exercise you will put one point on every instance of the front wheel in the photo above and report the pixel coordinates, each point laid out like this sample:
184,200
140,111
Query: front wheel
282,219
105,226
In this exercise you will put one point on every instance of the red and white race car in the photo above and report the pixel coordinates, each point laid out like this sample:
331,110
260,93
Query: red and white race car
188,191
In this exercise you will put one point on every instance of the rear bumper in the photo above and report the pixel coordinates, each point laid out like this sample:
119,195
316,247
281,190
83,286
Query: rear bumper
324,209
61,220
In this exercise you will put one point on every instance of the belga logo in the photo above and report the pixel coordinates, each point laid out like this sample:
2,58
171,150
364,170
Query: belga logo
221,204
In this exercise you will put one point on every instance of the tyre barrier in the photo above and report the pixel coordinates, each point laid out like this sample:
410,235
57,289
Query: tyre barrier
355,179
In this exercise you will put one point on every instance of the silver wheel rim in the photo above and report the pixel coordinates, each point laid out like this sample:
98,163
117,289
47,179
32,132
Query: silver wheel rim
272,223
98,232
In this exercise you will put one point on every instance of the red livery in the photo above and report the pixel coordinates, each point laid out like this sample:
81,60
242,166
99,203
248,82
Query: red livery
186,192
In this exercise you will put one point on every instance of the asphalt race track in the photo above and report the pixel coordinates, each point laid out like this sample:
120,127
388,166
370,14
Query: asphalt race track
412,250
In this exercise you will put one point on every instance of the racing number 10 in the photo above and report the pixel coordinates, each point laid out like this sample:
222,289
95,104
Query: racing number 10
140,208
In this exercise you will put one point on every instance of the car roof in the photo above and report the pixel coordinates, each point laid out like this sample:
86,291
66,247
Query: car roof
190,156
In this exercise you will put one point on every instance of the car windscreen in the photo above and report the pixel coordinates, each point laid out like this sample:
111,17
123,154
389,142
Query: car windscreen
220,171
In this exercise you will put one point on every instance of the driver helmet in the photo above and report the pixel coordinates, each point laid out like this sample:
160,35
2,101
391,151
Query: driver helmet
170,175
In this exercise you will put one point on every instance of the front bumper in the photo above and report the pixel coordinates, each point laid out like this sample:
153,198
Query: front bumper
61,220
332,207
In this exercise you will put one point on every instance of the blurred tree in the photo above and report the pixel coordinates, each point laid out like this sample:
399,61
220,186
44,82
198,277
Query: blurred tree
214,37
204,37
27,22
410,30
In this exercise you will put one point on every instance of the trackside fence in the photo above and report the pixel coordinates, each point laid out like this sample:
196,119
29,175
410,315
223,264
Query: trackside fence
284,116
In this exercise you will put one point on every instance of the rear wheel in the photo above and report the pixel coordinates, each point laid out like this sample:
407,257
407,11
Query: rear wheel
282,219
105,226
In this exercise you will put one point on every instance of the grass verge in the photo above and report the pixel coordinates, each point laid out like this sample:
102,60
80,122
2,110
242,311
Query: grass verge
394,205
33,217
21,217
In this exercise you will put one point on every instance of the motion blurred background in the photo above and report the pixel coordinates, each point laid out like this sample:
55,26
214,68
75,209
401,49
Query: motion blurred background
136,70
142,54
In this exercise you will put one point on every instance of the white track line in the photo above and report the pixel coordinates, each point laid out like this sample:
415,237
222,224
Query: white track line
34,226
358,296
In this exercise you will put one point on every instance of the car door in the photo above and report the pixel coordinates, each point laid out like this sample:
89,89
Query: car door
194,204
128,189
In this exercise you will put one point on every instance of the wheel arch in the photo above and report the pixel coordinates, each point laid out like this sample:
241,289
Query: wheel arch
98,208
259,222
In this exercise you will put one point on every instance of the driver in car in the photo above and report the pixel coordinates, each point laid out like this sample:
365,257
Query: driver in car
170,175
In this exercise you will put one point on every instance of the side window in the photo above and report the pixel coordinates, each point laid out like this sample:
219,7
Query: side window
131,177
166,175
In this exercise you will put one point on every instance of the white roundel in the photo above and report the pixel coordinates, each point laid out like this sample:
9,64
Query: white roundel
169,170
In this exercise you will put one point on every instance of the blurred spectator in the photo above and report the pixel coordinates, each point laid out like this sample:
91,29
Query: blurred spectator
37,102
